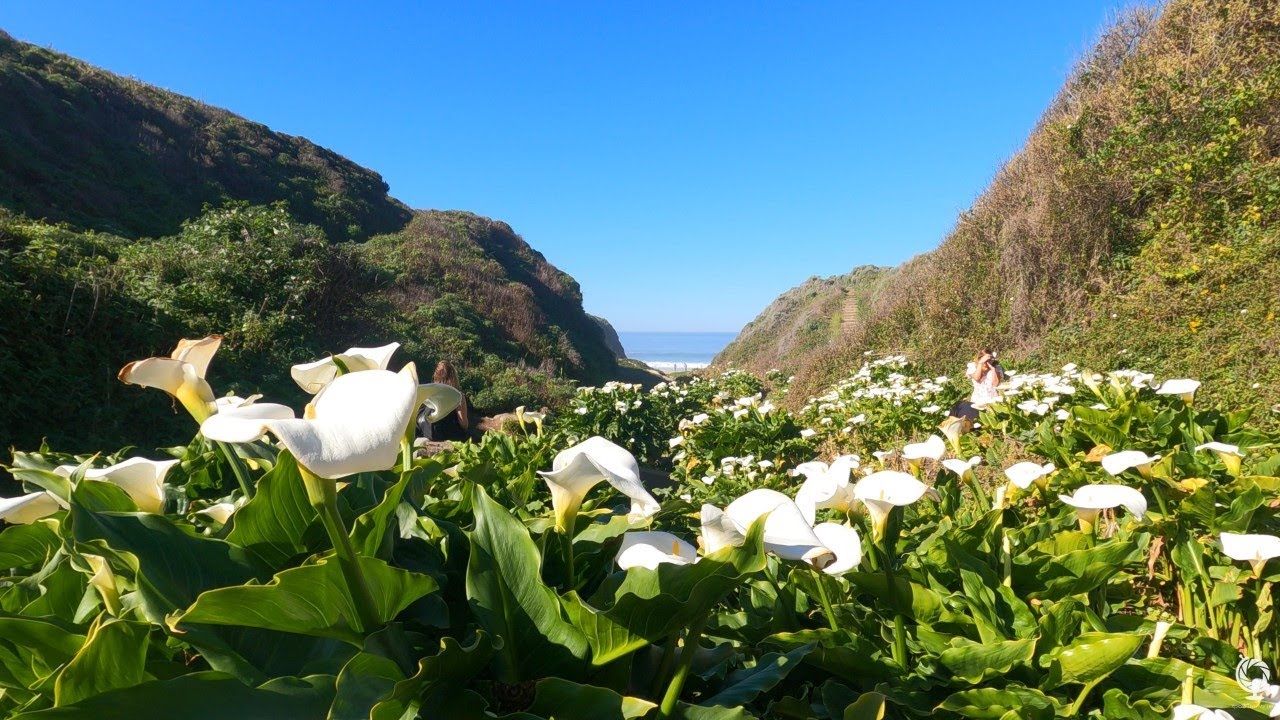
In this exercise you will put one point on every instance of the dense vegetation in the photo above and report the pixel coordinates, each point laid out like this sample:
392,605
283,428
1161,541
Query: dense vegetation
450,286
1137,227
1101,546
130,215
87,147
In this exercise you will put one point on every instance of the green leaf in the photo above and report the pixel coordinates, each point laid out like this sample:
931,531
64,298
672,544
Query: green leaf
868,706
114,656
203,696
975,662
24,546
32,649
646,605
510,601
454,666
279,523
915,601
364,681
1092,656
994,703
850,656
564,700
742,686
1159,680
310,600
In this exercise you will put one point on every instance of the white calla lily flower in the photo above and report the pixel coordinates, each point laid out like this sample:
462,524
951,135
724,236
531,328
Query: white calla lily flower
954,428
1254,549
576,470
1091,499
1116,463
649,549
219,512
103,580
312,377
1184,388
844,542
26,509
141,479
882,491
442,398
1025,473
181,375
718,531
355,425
933,449
825,486
787,533
1229,454
233,402
962,467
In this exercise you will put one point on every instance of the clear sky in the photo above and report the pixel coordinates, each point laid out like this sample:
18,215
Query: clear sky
685,161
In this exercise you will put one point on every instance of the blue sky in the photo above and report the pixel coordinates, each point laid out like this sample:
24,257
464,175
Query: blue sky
686,162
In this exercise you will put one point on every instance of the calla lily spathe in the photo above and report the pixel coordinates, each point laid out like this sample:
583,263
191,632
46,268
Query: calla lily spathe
649,549
1025,473
1091,499
141,479
354,425
219,512
825,486
1229,454
26,509
531,416
441,398
933,448
576,470
787,533
1254,549
882,491
954,428
181,375
1198,712
1117,463
312,377
1184,388
962,467
844,542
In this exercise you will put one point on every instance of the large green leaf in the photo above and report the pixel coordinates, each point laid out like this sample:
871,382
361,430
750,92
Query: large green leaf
975,662
995,703
32,649
510,601
310,600
913,600
114,656
454,666
854,657
742,686
1160,681
364,681
24,546
564,700
646,605
1092,656
203,696
279,523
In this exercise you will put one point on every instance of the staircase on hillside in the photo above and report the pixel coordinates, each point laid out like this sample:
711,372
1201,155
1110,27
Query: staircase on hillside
848,312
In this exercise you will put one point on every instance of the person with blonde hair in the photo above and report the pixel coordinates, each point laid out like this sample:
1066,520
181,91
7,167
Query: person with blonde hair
454,426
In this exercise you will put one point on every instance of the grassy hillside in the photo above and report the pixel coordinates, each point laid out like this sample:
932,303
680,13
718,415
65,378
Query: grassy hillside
805,320
131,217
1136,227
82,145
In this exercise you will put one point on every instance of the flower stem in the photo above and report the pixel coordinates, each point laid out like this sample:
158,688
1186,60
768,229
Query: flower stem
237,468
690,648
323,495
826,601
664,667
1084,692
568,558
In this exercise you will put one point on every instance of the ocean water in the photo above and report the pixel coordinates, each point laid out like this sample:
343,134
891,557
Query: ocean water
674,350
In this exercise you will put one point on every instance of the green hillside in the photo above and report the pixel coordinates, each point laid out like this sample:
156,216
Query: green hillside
131,217
1136,227
85,146
809,318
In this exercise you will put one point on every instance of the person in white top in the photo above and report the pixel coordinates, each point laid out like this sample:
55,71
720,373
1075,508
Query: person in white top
986,374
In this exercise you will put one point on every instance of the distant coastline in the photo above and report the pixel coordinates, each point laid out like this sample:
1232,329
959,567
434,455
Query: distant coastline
674,351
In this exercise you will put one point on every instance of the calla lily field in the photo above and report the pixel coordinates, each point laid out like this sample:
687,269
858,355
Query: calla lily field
1095,544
